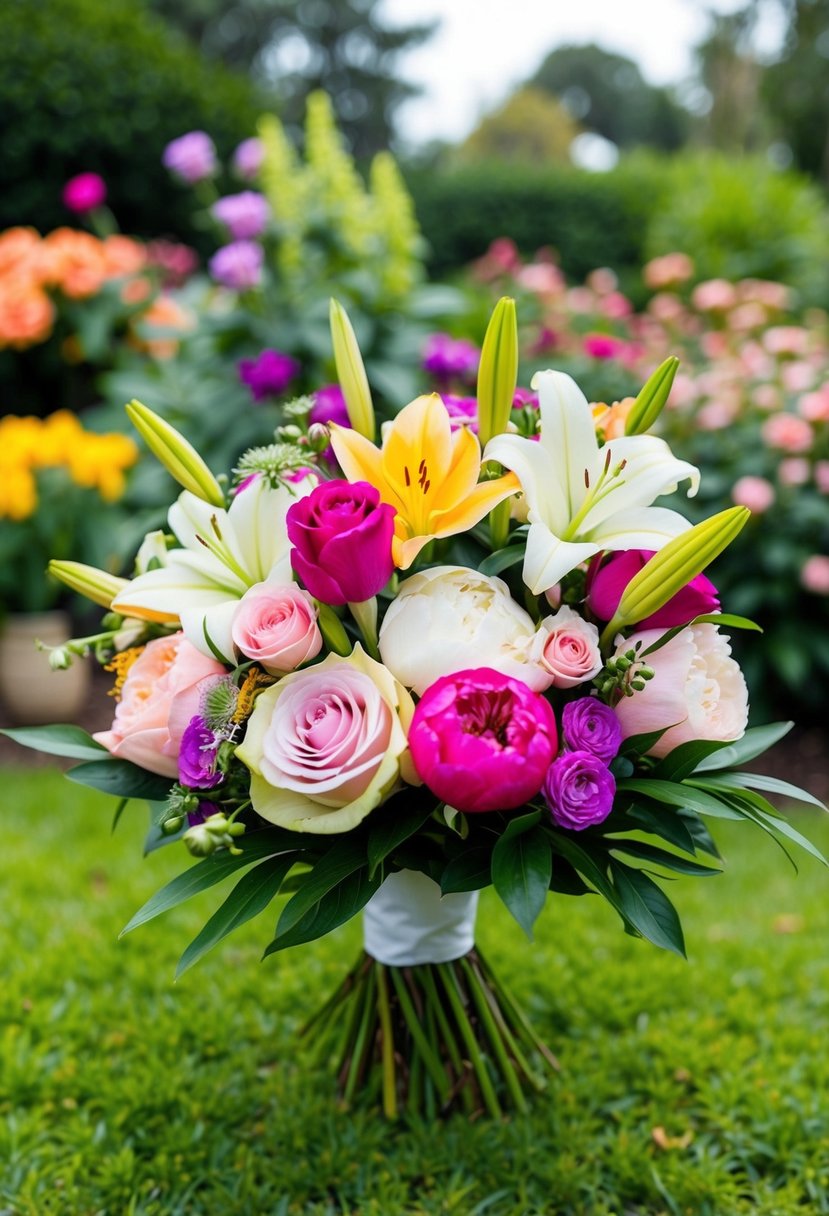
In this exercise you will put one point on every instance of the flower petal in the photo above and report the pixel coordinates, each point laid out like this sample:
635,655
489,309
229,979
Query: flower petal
650,470
568,434
640,528
548,558
531,464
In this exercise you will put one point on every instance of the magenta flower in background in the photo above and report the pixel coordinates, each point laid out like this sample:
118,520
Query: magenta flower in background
588,725
248,157
329,406
244,215
606,582
191,157
238,266
341,535
463,411
176,261
602,346
84,193
269,374
449,358
197,757
482,741
524,396
579,790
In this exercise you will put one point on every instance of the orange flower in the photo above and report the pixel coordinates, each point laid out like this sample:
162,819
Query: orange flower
26,314
165,313
76,262
610,420
19,253
123,256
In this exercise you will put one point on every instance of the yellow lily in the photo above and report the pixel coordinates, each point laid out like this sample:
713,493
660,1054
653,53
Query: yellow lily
427,473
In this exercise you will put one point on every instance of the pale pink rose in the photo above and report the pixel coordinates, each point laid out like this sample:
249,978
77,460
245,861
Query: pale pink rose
814,407
714,345
542,278
746,317
786,340
715,295
698,691
580,299
794,471
615,305
798,376
666,308
753,492
815,574
822,476
602,281
567,648
276,625
159,697
766,397
668,270
787,433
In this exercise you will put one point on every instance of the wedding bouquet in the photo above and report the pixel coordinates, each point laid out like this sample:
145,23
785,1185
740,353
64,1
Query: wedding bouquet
383,677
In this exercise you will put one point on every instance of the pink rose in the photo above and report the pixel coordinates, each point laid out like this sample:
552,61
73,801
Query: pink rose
341,535
787,433
276,625
756,493
483,741
697,691
815,574
159,697
567,647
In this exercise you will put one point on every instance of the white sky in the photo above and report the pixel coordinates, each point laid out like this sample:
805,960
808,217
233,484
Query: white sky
483,48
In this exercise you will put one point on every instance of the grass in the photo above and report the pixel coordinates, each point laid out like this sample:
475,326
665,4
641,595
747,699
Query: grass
697,1088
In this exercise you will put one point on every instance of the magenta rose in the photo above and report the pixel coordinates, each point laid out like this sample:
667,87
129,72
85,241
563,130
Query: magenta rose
588,725
276,625
579,790
607,581
84,193
341,535
482,741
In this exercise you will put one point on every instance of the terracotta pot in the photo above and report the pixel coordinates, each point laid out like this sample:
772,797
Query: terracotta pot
31,692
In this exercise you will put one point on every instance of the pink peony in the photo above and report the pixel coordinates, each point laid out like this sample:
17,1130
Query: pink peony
160,696
84,193
607,580
753,492
787,433
815,574
483,741
698,691
276,625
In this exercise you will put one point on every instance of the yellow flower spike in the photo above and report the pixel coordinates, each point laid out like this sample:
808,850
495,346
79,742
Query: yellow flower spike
652,397
351,372
669,570
426,472
180,458
498,371
97,585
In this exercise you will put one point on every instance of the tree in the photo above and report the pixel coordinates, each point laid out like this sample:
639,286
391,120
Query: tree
607,93
731,74
531,127
796,86
341,46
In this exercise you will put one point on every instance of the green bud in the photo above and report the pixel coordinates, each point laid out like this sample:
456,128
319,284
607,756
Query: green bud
180,458
498,371
638,683
331,628
351,372
652,397
200,840
623,663
170,826
60,657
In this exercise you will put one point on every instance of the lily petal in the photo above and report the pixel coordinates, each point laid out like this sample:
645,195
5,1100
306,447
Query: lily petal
640,528
568,434
548,558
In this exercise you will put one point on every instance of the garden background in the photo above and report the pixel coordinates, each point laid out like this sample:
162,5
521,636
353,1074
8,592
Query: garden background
630,221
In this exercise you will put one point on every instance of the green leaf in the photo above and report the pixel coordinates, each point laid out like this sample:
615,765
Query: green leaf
638,745
502,559
582,860
771,785
469,871
251,895
647,908
669,825
522,866
342,859
774,824
754,742
119,810
395,822
60,740
685,758
255,846
663,857
122,779
335,907
566,880
677,794
726,619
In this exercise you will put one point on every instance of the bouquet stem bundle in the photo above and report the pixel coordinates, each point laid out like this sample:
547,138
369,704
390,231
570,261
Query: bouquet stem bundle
430,1039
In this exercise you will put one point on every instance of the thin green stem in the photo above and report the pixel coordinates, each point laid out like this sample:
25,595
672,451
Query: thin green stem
484,1013
450,983
363,1038
497,1013
430,1059
387,1045
522,1026
447,1034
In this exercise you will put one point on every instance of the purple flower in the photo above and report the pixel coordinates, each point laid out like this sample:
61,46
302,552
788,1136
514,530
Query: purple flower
197,756
606,583
244,215
588,725
248,157
329,406
269,374
84,193
191,157
238,266
524,396
579,790
463,411
203,811
446,357
341,535
482,741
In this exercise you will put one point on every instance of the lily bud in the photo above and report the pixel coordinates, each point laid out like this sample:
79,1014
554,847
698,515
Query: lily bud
351,372
333,631
97,585
498,371
180,458
652,397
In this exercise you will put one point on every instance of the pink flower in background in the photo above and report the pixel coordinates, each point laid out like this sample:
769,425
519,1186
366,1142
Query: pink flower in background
603,280
714,295
794,471
602,346
756,493
524,397
449,358
84,193
238,266
786,340
341,535
191,157
716,415
269,374
668,271
787,433
766,397
579,790
615,305
714,344
814,407
482,741
746,317
244,215
666,308
815,574
606,582
542,278
797,376
276,625
463,411
822,476
248,157
177,261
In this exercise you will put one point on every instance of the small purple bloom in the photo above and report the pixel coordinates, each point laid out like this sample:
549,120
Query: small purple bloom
463,411
197,756
579,790
238,266
84,193
269,374
329,406
446,357
191,157
588,725
245,215
248,157
523,397
203,811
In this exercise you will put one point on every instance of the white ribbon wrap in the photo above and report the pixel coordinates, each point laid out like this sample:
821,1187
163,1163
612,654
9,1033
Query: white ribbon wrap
408,922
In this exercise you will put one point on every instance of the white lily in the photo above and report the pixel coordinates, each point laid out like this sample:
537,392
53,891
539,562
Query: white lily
222,554
582,498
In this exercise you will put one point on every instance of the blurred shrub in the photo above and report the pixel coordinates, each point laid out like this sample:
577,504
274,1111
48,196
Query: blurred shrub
531,127
101,85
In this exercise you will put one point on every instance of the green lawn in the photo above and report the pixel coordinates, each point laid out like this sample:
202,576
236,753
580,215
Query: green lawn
121,1093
